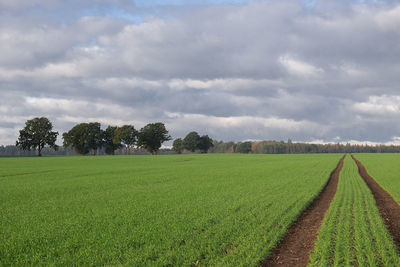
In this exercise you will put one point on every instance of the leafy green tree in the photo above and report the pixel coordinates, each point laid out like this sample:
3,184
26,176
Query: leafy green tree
244,147
76,138
191,141
84,137
95,136
126,135
205,143
36,134
152,136
177,146
111,142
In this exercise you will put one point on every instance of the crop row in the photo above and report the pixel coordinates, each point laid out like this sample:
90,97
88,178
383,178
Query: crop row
353,233
385,169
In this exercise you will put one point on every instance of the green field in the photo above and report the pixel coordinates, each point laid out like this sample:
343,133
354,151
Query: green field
353,233
220,209
385,169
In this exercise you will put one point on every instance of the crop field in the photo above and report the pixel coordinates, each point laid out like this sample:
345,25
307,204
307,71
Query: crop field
220,209
353,233
385,168
200,210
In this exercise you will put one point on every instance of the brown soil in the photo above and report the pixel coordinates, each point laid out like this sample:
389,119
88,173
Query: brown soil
296,246
388,207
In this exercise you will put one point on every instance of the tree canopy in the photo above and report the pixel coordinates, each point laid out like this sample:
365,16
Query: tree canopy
152,136
205,143
94,136
84,137
177,145
191,141
76,138
36,134
126,135
110,142
244,147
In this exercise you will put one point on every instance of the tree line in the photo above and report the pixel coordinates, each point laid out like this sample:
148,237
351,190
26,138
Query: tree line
289,147
14,151
85,138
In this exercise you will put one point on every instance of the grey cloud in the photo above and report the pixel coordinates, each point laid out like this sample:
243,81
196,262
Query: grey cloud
30,46
264,70
77,6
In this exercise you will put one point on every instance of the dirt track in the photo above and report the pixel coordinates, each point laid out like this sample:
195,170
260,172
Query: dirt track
296,246
388,207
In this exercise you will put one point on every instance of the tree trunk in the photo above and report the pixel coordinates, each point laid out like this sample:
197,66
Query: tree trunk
40,150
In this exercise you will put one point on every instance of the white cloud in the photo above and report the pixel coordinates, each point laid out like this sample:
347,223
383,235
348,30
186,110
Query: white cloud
115,83
352,70
230,84
258,128
299,68
379,105
388,20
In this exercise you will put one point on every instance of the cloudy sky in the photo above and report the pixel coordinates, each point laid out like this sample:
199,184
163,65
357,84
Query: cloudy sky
326,71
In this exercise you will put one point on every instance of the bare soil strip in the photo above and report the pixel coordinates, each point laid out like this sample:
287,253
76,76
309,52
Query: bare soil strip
388,207
296,246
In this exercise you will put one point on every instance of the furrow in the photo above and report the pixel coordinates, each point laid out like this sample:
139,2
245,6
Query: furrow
387,206
296,246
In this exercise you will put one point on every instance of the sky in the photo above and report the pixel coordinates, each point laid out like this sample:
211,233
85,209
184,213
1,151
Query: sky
312,71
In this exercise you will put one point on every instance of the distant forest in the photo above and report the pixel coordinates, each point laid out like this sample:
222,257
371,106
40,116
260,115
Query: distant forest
14,151
256,147
289,147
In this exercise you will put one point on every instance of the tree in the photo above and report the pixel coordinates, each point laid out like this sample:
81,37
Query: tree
152,136
191,141
95,136
126,135
84,137
111,143
36,134
205,143
177,146
77,139
244,147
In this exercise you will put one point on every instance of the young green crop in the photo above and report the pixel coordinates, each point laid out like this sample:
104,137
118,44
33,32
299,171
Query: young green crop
153,210
385,169
353,232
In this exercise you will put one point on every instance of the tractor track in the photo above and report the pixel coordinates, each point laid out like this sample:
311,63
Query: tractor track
296,246
388,208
